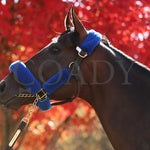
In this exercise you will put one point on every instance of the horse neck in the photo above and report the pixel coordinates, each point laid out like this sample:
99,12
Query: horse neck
99,73
116,98
105,73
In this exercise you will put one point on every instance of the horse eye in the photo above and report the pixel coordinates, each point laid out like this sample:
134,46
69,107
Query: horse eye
55,50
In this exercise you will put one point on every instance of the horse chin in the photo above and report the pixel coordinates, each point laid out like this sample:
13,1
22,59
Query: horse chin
15,103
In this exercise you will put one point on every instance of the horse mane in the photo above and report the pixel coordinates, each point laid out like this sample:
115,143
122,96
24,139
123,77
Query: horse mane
124,56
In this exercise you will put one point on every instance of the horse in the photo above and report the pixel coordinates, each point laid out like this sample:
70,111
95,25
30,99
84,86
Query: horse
114,84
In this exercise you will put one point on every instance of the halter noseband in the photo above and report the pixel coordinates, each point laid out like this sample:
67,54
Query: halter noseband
41,92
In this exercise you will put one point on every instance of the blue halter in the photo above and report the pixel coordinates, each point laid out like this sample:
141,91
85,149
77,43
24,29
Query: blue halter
26,78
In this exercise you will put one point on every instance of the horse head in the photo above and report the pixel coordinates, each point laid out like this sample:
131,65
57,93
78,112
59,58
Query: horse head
58,54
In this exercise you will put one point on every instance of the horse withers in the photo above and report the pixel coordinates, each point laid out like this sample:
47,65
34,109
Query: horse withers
114,84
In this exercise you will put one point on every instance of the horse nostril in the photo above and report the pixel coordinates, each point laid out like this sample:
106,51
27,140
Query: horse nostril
2,86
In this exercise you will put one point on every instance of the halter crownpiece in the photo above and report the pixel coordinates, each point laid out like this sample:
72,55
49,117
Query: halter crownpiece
91,41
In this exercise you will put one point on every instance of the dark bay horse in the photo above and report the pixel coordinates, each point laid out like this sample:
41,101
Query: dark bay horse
114,84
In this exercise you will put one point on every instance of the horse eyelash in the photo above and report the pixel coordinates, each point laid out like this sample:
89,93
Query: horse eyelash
54,50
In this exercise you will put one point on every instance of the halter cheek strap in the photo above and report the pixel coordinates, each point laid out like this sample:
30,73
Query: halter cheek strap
26,78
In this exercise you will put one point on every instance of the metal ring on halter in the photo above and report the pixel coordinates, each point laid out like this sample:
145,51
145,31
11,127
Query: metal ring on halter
82,56
41,95
81,51
74,68
72,64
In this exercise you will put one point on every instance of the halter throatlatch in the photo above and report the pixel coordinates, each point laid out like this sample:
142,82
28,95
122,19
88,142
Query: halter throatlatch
23,75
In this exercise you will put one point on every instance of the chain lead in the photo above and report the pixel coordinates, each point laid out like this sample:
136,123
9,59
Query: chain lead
24,95
26,118
21,126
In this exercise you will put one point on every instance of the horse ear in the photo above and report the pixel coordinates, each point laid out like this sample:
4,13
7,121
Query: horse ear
67,22
79,28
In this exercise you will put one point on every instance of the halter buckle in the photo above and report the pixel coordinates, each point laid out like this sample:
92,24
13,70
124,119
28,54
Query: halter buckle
41,94
81,53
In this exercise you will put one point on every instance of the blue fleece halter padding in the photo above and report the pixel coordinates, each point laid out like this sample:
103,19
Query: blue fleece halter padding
25,77
56,81
91,41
